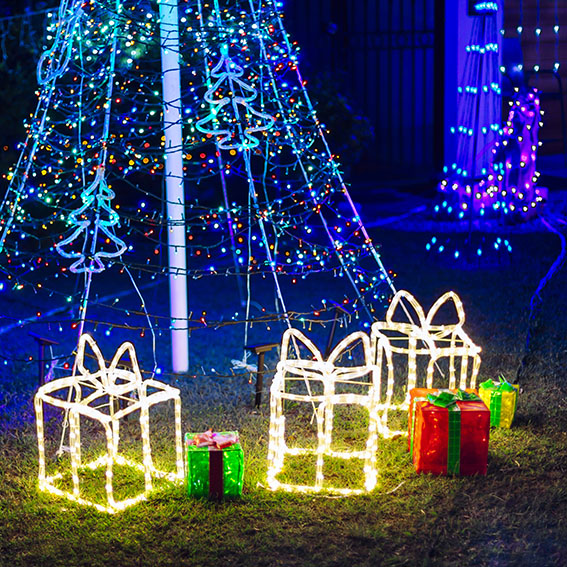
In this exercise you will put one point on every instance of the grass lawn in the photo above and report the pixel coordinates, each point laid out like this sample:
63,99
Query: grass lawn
516,515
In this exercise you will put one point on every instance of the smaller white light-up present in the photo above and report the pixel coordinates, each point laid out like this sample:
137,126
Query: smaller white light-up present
428,348
322,385
106,396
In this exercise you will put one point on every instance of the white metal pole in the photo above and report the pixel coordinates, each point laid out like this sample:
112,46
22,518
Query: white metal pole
171,81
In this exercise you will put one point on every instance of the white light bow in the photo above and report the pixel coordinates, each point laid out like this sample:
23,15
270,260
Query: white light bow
106,395
422,336
326,383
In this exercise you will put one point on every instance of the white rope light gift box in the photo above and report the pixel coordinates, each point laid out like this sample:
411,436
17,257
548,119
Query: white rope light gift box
323,383
97,395
423,337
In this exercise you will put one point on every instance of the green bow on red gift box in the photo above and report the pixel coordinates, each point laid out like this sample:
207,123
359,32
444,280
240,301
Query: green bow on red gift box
448,400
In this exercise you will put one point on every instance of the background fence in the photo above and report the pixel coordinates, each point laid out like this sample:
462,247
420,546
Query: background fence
387,56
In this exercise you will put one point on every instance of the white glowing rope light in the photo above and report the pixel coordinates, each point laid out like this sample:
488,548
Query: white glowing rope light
327,375
425,338
92,395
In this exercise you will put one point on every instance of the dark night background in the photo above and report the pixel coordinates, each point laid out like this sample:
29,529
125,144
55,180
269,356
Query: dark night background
376,69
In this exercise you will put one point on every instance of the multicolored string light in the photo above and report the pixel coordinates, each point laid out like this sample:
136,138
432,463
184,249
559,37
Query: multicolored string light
276,204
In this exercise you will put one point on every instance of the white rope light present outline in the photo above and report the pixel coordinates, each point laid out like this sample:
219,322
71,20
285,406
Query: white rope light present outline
423,337
324,377
93,395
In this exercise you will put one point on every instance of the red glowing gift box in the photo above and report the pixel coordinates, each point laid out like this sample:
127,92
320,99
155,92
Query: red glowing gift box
448,431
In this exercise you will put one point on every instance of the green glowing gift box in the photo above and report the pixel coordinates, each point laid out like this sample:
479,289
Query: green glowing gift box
212,471
501,398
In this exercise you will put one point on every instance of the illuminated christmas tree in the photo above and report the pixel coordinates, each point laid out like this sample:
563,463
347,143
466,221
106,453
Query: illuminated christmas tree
493,176
256,189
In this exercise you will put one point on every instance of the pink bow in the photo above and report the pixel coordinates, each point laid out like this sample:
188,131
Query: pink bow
210,439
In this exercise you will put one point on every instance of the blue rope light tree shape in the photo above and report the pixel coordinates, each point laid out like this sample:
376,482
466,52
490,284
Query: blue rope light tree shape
228,75
93,218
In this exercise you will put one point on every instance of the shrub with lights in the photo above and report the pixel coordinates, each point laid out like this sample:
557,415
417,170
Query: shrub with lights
493,179
509,188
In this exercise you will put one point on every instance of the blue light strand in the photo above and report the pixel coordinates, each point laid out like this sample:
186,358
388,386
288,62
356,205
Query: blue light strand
54,61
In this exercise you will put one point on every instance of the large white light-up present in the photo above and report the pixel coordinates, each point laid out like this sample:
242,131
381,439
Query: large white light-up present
419,350
106,396
322,386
